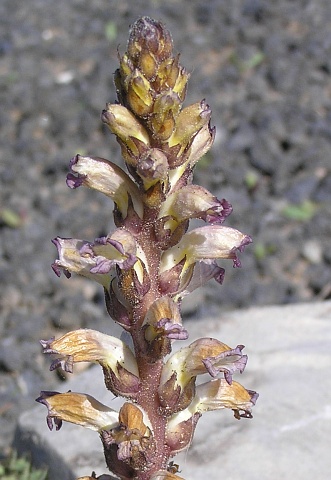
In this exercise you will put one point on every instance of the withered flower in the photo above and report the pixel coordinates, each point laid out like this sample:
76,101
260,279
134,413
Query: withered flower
145,267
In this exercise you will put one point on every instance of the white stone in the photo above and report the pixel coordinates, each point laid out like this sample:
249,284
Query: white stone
289,351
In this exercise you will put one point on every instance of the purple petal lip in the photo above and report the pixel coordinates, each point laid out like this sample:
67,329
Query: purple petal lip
56,242
74,182
174,331
45,344
87,249
229,369
67,364
44,395
227,207
254,396
103,266
246,241
73,161
58,270
219,275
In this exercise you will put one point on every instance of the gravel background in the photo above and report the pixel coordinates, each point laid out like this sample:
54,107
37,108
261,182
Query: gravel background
263,66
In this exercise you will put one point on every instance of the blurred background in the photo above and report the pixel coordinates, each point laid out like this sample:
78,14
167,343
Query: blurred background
264,68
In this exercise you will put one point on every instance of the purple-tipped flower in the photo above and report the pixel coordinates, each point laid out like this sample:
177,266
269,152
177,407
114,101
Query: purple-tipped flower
107,178
203,244
77,408
206,355
194,201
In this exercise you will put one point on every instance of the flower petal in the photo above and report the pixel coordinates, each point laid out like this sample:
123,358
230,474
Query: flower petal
202,273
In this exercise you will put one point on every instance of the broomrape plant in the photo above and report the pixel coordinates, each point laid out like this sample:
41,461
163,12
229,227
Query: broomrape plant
146,266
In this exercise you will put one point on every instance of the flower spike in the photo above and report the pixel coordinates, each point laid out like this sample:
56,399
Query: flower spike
146,266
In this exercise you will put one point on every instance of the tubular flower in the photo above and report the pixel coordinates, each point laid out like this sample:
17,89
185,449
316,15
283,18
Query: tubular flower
146,266
77,408
213,395
205,244
107,178
95,260
116,359
206,355
194,201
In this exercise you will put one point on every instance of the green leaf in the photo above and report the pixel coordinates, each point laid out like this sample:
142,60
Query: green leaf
10,218
302,212
111,31
251,180
261,251
20,468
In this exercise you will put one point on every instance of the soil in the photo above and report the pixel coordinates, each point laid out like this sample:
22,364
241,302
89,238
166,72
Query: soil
264,67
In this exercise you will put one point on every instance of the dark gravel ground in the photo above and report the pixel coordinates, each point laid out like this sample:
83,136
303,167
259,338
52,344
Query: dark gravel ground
265,69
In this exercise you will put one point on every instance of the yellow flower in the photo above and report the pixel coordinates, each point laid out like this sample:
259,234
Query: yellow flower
84,345
77,408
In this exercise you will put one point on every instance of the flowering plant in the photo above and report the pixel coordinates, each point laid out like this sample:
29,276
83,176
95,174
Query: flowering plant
146,266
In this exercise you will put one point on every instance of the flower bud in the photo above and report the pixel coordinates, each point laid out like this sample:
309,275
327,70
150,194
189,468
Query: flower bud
125,126
148,35
153,167
148,64
139,95
165,111
172,74
190,120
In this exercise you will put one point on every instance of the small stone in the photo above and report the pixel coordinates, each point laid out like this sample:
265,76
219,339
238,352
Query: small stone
312,251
